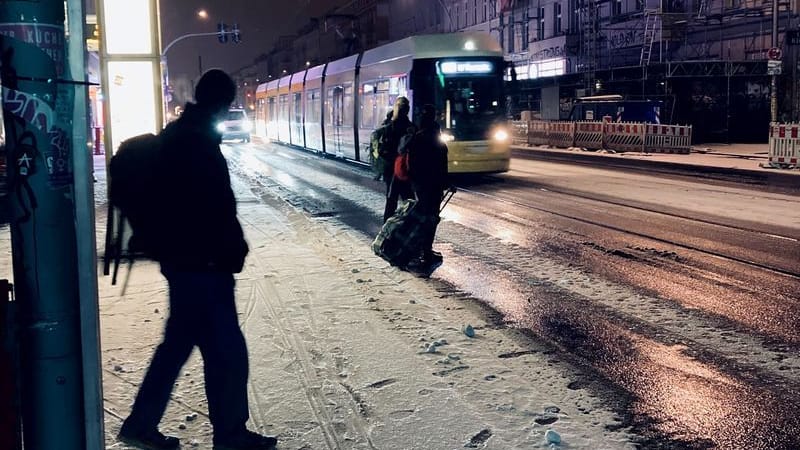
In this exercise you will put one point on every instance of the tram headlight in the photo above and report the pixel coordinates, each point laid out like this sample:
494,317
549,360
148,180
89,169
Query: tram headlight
446,137
221,127
500,135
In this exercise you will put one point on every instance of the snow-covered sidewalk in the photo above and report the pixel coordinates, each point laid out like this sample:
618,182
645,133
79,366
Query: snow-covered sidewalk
348,352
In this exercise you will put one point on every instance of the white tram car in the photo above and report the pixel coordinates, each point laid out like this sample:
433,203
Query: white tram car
333,108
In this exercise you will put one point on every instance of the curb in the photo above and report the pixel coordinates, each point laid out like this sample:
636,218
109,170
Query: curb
764,178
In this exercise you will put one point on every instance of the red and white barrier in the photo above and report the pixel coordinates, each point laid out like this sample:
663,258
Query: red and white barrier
624,136
561,134
784,145
519,132
537,132
668,139
589,135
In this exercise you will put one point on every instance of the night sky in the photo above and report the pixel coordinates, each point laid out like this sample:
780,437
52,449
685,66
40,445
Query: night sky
260,22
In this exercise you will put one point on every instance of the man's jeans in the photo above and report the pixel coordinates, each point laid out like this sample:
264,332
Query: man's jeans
202,314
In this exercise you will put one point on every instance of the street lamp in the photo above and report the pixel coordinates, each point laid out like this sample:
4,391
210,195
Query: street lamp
202,14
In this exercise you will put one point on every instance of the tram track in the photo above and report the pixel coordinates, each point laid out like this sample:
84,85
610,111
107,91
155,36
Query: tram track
774,232
522,190
789,273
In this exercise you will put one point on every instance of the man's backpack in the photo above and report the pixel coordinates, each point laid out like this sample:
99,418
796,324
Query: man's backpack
134,189
377,148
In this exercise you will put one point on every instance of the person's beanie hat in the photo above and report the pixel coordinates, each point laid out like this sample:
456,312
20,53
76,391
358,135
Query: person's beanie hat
215,89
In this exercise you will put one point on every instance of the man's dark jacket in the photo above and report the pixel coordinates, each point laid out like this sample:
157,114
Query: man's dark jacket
428,161
395,130
200,228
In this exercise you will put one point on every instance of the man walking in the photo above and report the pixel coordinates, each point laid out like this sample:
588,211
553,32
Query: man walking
399,127
427,161
200,247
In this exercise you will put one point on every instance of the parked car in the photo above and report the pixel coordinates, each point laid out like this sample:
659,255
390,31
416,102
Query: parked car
235,126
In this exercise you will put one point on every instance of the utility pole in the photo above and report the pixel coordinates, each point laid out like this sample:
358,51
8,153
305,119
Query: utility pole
773,90
38,106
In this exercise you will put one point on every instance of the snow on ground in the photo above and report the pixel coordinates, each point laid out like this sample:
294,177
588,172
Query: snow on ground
348,352
340,354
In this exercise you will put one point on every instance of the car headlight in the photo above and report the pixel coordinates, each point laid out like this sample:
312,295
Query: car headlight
247,126
446,137
221,127
500,135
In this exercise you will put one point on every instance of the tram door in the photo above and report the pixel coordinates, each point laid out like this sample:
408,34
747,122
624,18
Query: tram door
337,112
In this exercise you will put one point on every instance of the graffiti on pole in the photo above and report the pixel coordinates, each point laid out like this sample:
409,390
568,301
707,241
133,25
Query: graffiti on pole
34,111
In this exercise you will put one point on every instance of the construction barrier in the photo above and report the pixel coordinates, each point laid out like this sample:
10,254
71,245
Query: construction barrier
784,145
668,138
589,135
637,137
561,134
624,136
537,132
519,132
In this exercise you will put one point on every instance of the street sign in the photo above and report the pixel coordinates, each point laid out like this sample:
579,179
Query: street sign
774,67
774,53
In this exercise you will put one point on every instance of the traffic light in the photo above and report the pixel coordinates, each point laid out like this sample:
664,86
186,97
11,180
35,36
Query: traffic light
236,36
222,32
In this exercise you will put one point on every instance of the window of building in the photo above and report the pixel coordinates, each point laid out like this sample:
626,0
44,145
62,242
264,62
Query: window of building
617,7
557,18
485,5
466,14
511,33
574,16
540,30
526,26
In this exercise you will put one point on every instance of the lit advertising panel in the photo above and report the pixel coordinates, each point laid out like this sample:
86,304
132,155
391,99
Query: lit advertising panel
128,27
131,92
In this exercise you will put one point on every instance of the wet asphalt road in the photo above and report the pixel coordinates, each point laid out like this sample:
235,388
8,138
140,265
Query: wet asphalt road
680,301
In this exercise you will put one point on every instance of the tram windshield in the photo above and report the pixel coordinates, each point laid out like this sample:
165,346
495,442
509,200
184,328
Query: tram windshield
471,106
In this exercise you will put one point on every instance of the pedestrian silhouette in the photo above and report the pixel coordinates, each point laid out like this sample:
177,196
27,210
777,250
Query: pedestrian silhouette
200,248
399,127
428,175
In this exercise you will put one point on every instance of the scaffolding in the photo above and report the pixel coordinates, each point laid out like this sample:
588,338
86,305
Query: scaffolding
652,27
590,40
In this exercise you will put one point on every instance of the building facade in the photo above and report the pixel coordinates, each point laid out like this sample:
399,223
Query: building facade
705,60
